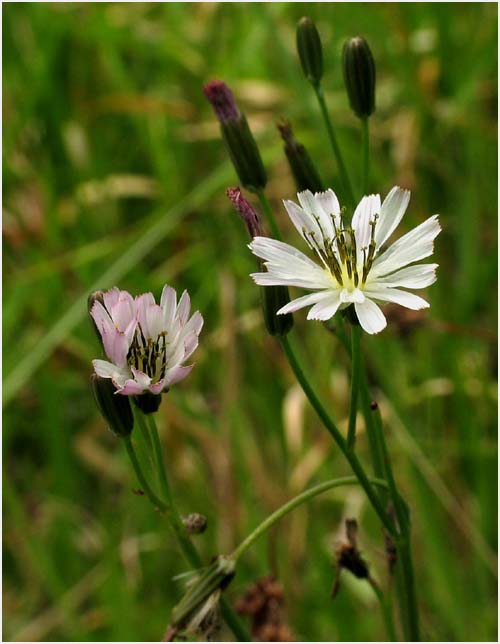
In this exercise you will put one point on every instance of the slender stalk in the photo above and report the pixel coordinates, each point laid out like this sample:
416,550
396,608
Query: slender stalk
344,177
386,610
266,207
139,417
366,154
407,580
301,498
158,457
338,438
188,549
355,367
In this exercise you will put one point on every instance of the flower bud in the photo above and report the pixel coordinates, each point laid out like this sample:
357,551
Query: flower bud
304,172
245,210
195,523
359,76
241,145
272,297
115,409
310,51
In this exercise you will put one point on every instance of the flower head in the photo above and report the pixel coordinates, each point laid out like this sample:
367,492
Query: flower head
146,343
353,268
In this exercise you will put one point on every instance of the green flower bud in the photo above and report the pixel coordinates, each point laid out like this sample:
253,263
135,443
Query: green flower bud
310,51
304,172
359,76
273,298
115,408
237,136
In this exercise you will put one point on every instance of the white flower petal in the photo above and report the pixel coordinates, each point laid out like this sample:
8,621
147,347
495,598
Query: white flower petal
304,222
305,300
330,204
287,265
409,300
325,309
168,303
418,276
106,369
412,247
347,296
364,214
370,316
184,307
391,213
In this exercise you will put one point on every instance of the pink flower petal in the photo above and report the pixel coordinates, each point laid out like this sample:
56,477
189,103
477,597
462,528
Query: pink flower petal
111,297
183,308
131,388
116,347
101,318
176,374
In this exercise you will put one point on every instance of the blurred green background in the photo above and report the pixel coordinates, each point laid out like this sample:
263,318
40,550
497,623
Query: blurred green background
114,173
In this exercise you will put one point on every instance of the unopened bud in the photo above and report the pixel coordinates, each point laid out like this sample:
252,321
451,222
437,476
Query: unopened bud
246,211
115,408
237,136
195,523
310,51
359,76
272,297
304,172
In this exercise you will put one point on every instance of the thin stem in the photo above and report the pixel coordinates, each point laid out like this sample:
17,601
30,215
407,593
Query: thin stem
266,207
386,610
344,177
157,502
158,456
188,549
355,366
294,503
365,128
338,438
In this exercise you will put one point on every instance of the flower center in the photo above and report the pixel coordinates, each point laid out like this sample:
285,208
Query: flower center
149,356
341,257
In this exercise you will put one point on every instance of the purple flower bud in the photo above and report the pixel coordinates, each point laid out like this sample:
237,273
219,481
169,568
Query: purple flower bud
246,211
222,100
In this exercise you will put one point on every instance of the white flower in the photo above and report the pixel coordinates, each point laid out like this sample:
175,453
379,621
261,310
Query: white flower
353,269
146,343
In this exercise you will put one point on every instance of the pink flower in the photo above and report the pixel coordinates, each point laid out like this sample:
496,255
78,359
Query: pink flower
146,343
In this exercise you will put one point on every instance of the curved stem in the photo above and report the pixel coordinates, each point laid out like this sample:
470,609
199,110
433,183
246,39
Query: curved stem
305,496
338,438
344,177
386,610
366,154
266,207
355,366
188,549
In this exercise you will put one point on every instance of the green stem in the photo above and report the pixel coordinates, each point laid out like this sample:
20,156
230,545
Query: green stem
158,457
410,611
366,154
344,177
139,417
386,610
355,367
294,503
266,207
188,549
338,438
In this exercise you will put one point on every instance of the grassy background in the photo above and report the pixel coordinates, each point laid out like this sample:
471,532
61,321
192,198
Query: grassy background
114,173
